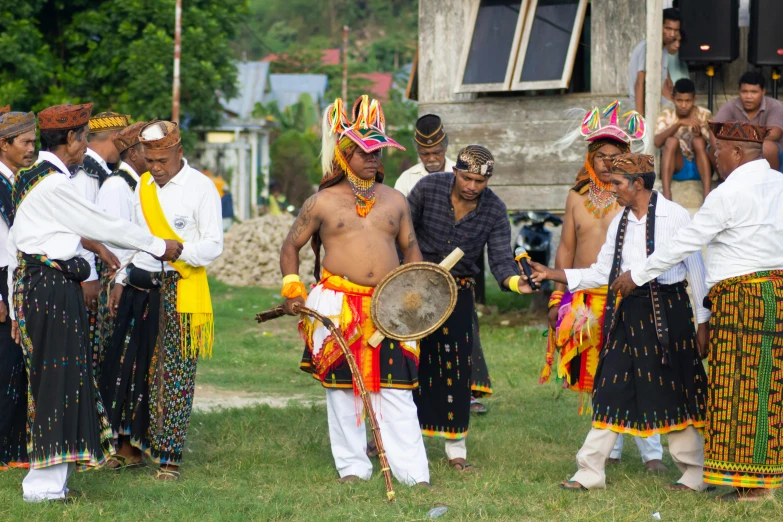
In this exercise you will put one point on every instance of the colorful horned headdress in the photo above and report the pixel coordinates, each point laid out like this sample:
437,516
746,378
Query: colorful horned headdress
368,127
598,124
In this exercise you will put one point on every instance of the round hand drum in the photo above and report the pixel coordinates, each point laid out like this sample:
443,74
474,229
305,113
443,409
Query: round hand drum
413,300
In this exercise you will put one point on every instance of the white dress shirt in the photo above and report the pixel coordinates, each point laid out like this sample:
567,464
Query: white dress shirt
669,218
115,198
413,175
53,218
87,187
4,171
741,222
191,204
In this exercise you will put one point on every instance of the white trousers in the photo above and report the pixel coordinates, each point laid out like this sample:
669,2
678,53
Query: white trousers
400,432
649,447
686,448
455,449
44,484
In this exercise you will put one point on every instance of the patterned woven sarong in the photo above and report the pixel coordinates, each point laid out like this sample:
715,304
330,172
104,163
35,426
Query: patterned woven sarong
742,443
577,341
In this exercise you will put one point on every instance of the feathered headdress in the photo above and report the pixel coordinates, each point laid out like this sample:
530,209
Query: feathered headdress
367,129
605,123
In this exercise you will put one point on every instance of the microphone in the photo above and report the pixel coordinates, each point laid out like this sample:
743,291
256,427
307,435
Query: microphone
521,256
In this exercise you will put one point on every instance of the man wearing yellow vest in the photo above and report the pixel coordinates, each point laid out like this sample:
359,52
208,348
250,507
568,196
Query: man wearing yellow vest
175,201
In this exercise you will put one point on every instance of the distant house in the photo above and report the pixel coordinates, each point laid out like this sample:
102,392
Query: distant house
238,147
382,83
286,89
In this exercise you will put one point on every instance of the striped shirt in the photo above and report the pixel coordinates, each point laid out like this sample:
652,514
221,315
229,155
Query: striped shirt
669,218
438,233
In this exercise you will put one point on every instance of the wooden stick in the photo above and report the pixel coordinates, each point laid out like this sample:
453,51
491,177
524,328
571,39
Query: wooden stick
357,377
447,263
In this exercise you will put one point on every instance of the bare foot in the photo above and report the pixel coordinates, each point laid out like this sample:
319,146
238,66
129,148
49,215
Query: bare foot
656,466
349,479
747,495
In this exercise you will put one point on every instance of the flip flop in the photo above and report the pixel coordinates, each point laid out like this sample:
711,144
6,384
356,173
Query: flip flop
571,485
476,406
167,474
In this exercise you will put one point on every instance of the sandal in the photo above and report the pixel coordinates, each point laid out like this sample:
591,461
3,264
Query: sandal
476,406
461,466
572,485
167,474
122,462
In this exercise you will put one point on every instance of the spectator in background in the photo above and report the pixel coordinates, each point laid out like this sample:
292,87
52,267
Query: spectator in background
277,204
682,133
638,65
676,67
754,106
227,206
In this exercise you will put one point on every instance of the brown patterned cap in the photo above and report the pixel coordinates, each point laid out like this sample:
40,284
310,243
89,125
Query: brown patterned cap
128,137
631,164
429,131
16,123
738,131
159,135
64,117
108,121
475,159
4,109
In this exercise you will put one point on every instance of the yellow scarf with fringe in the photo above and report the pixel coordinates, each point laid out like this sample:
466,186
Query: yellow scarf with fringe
194,303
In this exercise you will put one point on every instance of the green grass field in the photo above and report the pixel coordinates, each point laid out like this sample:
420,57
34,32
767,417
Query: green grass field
275,464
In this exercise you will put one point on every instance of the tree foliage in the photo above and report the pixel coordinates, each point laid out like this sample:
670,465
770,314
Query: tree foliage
119,55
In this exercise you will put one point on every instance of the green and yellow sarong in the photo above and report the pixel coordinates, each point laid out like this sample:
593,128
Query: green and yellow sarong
742,443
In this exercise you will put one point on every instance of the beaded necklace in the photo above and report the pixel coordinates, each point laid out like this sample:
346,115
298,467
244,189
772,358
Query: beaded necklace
600,200
363,189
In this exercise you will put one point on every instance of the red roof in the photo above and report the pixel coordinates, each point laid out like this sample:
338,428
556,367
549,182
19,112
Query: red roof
382,83
329,57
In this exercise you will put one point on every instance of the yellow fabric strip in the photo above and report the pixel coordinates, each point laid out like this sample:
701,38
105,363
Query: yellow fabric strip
290,278
194,303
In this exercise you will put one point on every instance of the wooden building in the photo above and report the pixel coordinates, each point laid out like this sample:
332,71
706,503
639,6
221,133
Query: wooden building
555,56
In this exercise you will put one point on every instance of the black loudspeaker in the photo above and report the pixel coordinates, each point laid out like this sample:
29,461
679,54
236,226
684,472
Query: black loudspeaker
711,30
765,38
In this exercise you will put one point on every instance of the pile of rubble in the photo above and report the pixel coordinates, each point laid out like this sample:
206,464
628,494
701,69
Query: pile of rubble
251,253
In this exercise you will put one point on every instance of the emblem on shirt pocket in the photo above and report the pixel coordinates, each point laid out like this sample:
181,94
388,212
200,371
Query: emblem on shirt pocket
179,223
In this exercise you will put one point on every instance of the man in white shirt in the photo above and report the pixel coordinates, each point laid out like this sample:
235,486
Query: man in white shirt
650,379
152,383
17,151
67,422
431,142
88,178
741,222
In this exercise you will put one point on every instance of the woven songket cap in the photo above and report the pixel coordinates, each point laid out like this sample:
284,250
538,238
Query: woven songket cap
4,109
367,128
16,123
429,131
631,164
128,137
738,131
475,159
108,121
159,135
64,117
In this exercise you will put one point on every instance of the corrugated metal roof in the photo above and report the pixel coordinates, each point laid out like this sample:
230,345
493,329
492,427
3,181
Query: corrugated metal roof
251,88
286,88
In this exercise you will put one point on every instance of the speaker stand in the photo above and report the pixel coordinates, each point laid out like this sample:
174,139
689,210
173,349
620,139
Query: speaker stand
775,82
710,86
